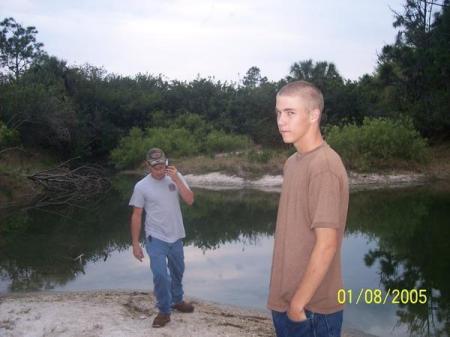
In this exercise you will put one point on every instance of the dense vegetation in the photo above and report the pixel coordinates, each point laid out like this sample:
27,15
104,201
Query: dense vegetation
378,142
189,134
87,112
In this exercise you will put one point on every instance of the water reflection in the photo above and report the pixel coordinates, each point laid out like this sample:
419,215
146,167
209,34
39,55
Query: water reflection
395,239
412,252
43,248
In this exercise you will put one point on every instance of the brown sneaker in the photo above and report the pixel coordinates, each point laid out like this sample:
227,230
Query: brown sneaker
183,307
161,320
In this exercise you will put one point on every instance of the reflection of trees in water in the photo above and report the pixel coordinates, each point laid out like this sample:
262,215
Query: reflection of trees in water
220,217
44,248
412,234
37,248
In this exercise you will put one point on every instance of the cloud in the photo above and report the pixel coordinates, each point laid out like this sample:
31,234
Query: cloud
181,38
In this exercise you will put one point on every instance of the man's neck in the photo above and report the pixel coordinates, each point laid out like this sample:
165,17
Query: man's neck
309,144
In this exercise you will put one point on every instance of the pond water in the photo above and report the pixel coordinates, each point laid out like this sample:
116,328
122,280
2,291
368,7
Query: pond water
395,239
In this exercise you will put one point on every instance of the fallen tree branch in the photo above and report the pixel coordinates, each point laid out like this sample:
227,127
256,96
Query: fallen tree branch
12,149
63,185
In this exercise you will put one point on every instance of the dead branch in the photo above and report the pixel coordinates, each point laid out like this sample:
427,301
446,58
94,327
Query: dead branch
65,186
15,148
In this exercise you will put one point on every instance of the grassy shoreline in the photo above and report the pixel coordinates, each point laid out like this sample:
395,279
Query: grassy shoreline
16,165
238,164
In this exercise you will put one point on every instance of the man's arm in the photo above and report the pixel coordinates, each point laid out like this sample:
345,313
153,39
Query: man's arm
319,262
136,223
186,194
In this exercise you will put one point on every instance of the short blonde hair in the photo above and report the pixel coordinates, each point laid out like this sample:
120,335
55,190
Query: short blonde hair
309,93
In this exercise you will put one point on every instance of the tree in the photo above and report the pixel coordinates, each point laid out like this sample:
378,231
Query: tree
413,72
38,106
18,47
338,99
253,78
318,73
416,21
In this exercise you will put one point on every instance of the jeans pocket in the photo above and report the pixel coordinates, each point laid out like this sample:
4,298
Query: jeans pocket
300,328
296,322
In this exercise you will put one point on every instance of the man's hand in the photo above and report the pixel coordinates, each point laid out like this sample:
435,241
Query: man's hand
296,312
137,252
186,194
171,171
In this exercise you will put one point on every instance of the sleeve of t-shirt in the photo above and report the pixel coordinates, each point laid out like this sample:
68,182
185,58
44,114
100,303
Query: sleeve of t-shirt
137,199
183,180
323,203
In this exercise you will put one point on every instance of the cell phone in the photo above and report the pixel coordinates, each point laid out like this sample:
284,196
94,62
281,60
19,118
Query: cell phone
167,162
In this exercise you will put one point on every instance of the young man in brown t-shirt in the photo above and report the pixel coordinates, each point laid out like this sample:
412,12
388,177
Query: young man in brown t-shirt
306,270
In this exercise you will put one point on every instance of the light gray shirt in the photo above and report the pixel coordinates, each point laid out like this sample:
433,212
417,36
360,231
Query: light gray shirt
160,200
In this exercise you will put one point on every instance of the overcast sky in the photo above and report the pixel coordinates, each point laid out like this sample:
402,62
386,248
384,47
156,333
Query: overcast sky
221,38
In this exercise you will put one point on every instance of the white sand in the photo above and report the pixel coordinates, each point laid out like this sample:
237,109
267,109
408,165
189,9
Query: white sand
124,314
119,314
357,181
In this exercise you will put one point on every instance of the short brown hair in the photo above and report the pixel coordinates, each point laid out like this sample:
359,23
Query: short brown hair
307,91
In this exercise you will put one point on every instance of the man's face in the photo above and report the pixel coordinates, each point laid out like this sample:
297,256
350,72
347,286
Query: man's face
293,119
158,171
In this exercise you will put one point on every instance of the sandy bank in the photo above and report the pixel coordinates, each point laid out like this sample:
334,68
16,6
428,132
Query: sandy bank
357,181
123,314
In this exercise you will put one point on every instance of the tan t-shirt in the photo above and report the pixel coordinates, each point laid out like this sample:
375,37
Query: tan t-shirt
314,194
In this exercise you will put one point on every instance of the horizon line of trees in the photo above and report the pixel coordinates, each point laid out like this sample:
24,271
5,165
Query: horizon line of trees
85,111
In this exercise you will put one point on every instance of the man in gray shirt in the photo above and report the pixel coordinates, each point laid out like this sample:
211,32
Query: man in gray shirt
158,194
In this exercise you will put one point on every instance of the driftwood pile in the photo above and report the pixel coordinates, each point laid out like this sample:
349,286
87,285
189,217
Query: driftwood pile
63,185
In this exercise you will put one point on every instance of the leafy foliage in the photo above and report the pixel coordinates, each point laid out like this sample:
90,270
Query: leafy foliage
413,76
185,137
18,47
85,111
219,141
8,136
377,143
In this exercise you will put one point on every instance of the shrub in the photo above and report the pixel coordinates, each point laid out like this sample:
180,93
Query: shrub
378,143
262,156
176,142
8,136
133,148
219,141
188,136
194,123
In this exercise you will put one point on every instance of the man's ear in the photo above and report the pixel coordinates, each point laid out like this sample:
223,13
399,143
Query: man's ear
314,115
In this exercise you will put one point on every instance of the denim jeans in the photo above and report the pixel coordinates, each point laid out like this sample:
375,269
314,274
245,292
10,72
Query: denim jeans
316,325
168,288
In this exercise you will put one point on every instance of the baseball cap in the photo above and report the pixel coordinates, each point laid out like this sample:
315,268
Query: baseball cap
156,156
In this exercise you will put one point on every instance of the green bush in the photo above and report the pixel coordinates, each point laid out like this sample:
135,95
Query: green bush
219,141
8,137
262,156
176,142
378,143
194,123
183,138
131,150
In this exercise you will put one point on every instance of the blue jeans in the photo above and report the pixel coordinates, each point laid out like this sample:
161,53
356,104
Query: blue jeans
168,288
316,325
